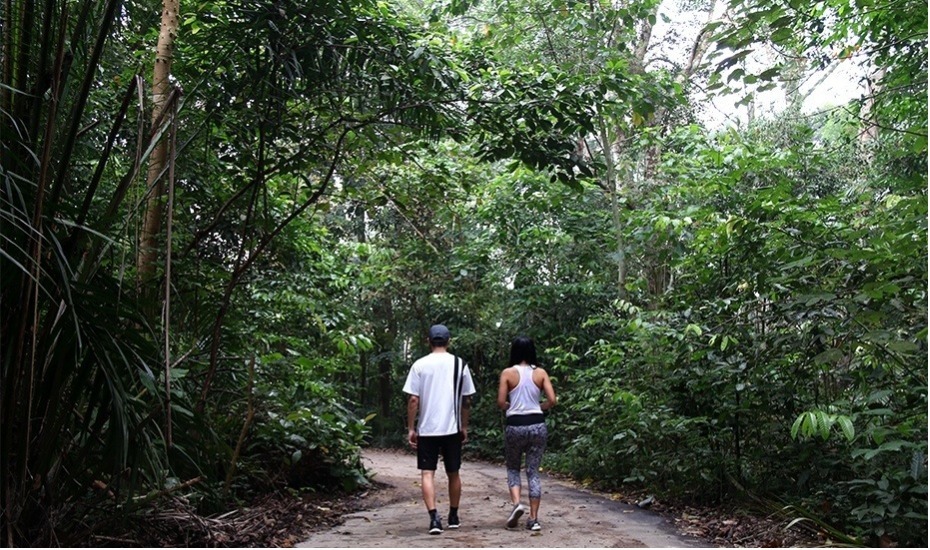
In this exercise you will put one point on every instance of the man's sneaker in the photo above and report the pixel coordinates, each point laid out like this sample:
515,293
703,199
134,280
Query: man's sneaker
533,525
435,526
515,514
454,520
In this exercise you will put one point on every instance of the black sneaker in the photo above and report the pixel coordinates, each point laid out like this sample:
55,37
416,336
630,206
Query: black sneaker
454,520
533,525
515,514
435,526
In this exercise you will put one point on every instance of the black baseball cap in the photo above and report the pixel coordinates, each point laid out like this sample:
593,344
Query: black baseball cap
439,334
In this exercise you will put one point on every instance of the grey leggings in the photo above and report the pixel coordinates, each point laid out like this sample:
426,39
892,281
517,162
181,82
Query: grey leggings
532,441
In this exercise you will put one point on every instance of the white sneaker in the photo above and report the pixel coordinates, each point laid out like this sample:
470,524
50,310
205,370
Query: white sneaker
515,514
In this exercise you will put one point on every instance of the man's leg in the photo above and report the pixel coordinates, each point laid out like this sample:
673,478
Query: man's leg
455,489
428,483
452,457
427,459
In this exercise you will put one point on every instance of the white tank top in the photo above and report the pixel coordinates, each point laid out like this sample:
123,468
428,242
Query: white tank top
524,397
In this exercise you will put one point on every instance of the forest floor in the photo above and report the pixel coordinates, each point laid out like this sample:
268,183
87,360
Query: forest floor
390,513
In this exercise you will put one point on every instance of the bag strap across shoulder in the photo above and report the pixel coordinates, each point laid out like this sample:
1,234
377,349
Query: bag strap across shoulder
457,374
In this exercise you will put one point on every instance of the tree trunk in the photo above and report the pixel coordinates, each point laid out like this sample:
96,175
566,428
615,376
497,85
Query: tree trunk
161,88
385,340
642,45
6,58
869,123
385,381
613,188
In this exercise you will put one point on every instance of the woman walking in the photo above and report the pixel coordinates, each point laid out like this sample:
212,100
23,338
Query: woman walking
518,395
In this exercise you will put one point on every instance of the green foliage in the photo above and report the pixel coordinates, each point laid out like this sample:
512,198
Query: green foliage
81,431
814,423
274,96
349,173
533,115
793,307
889,37
304,434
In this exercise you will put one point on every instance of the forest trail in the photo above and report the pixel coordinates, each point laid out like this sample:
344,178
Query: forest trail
571,517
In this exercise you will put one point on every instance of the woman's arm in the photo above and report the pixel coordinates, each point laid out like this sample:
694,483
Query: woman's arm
503,391
549,391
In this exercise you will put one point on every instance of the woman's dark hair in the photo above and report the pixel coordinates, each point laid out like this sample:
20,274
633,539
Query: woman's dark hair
522,349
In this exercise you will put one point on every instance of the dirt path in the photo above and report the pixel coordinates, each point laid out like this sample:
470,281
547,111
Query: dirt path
570,517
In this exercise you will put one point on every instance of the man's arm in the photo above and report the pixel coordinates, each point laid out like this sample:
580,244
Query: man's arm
466,414
413,405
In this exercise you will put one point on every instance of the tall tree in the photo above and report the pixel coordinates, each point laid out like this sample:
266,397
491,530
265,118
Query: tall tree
162,87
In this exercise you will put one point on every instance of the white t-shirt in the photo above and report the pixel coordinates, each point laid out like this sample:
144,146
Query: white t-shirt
430,379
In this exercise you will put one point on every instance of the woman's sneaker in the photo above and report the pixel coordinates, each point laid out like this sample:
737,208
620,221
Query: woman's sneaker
533,525
515,514
435,526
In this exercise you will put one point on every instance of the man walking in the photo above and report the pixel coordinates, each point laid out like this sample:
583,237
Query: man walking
440,386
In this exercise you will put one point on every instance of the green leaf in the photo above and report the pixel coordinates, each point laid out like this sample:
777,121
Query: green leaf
811,424
825,422
781,35
769,74
902,346
797,425
182,410
846,426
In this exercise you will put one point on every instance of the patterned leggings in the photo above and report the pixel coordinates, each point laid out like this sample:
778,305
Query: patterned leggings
532,441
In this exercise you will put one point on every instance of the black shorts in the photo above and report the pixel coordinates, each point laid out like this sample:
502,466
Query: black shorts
430,447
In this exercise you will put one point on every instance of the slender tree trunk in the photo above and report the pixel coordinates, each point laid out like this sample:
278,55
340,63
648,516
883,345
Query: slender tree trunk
361,233
241,265
6,57
385,340
793,76
23,56
869,123
363,359
161,88
384,385
166,315
642,45
613,188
